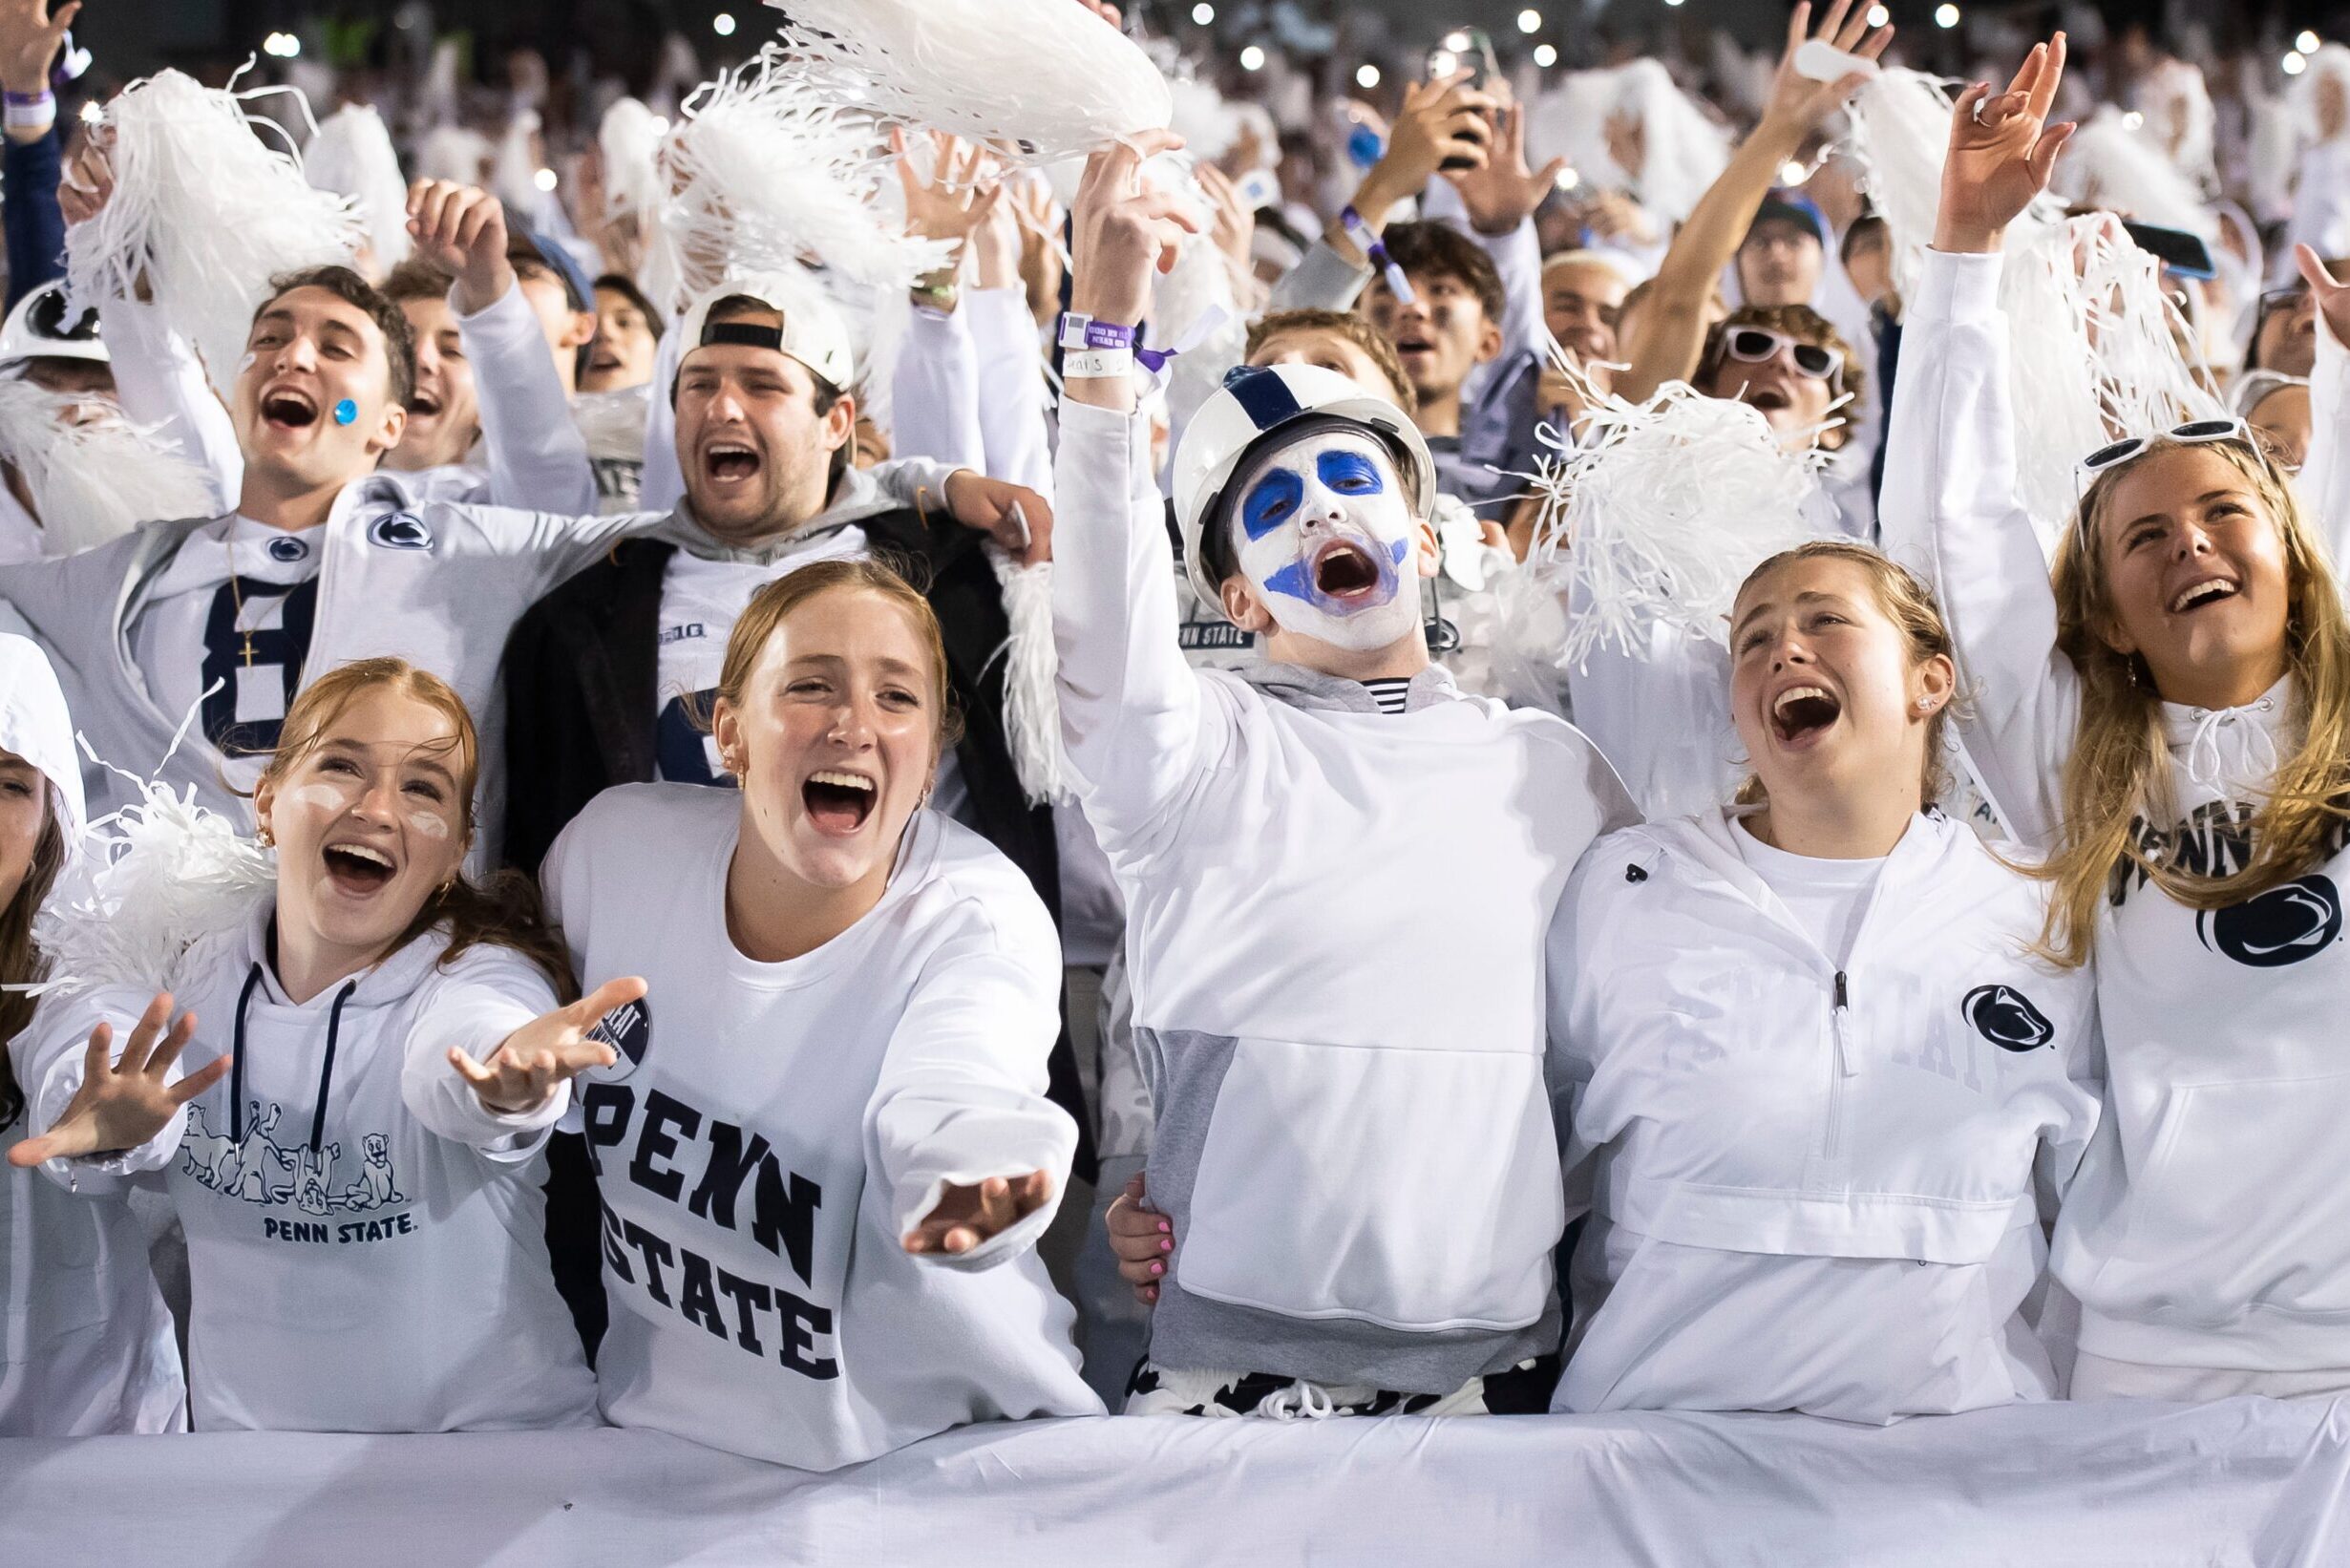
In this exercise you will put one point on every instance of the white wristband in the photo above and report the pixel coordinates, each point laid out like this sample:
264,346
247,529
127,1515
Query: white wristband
1104,363
30,116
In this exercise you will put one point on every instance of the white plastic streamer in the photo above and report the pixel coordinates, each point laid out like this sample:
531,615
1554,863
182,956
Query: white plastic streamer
764,175
1032,672
1656,516
205,213
93,475
1591,115
351,156
1041,79
2111,163
151,880
453,153
628,139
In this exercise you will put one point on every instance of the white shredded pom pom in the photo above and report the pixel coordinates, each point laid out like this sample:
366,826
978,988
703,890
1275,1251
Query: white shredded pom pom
629,140
351,156
1039,80
452,153
150,882
94,475
1032,672
1658,517
205,213
2107,163
763,175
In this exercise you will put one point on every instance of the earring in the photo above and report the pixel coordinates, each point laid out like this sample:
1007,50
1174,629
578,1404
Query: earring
265,837
1925,705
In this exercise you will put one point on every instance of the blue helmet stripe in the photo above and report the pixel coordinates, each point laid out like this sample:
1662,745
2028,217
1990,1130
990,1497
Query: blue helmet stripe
1264,397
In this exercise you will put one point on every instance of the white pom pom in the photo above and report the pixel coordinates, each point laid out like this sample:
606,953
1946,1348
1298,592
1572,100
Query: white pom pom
207,215
1682,151
151,881
454,154
94,475
1659,516
1031,671
2107,163
763,175
1043,79
514,170
629,140
351,156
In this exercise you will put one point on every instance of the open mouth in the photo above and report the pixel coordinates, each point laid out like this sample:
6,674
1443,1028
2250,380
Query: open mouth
730,462
289,410
356,868
603,359
1344,571
838,802
1415,344
1769,399
1802,713
424,405
2210,591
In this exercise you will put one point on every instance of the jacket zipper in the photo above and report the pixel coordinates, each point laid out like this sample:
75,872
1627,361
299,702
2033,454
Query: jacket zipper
1841,1065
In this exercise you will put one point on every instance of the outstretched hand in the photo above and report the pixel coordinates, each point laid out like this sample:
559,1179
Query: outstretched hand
462,229
122,1104
2003,151
1502,192
967,1215
30,34
1123,231
2333,298
1797,102
522,1073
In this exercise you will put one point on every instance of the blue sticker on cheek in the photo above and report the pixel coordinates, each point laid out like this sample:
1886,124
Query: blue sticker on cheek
1341,469
346,413
1270,502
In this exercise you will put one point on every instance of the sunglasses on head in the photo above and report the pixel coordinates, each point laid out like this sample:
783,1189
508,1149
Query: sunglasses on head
1760,345
2116,453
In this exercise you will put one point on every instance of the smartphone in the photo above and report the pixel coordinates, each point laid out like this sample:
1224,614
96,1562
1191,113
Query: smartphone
2183,253
1465,49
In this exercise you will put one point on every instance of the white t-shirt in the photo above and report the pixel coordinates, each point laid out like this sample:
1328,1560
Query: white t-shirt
234,608
1826,897
771,1130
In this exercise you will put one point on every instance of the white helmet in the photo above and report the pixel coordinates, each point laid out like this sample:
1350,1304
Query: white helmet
39,328
1255,402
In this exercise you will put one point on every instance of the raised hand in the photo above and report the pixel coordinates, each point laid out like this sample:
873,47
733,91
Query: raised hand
122,1104
1123,231
1442,119
1503,192
1018,519
1797,104
957,196
462,230
31,35
2003,151
88,179
1141,1238
551,1049
2333,298
1232,222
967,1215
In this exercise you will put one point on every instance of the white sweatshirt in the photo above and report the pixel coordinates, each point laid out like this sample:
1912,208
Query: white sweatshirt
1813,1184
1335,933
366,1242
2210,1227
772,1130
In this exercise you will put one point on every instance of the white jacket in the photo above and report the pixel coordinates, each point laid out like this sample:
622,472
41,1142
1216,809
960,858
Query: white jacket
1335,933
772,1130
1811,1188
2210,1227
366,1242
86,1342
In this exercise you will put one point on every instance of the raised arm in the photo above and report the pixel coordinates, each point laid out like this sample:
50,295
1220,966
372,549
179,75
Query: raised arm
1673,322
2326,470
1498,199
1011,381
1131,710
490,1059
30,38
1951,509
101,1111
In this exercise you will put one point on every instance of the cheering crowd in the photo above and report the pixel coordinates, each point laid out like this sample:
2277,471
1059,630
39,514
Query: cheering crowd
995,725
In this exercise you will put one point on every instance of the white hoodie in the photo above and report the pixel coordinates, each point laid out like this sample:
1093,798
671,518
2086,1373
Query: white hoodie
86,1344
772,1130
1811,1185
366,1241
1335,933
2210,1226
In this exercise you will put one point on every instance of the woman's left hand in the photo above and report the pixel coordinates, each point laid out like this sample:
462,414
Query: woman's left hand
524,1070
2333,298
967,1215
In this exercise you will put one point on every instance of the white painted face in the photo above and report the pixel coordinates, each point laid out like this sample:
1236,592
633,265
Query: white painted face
1323,532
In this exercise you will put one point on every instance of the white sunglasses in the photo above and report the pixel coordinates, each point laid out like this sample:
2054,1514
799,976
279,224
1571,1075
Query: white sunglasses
2194,431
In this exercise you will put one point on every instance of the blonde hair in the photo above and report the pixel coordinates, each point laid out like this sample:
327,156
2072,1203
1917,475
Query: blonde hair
1910,605
504,908
774,602
2119,768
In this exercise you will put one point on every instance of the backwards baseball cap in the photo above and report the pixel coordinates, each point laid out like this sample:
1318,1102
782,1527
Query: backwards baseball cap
524,243
812,331
40,328
1791,206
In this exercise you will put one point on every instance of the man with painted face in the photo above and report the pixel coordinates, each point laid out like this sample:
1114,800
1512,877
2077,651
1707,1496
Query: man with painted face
1354,1138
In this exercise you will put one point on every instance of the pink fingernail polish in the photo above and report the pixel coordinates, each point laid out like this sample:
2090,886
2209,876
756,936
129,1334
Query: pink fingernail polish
1158,1268
1166,1246
1165,1229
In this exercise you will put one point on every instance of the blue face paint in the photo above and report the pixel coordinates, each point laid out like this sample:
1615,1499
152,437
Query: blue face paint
1350,473
346,413
1270,502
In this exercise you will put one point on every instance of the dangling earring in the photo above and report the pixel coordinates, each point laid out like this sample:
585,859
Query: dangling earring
265,837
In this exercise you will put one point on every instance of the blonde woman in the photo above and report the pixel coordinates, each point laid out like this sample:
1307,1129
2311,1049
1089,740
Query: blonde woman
2169,720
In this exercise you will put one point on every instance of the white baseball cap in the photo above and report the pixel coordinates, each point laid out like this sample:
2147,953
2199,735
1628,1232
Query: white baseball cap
39,328
811,332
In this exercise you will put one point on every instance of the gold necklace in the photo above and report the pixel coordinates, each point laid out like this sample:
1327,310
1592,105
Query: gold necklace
235,593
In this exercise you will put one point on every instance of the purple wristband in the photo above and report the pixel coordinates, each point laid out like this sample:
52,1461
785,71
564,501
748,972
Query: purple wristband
1085,332
1376,253
28,100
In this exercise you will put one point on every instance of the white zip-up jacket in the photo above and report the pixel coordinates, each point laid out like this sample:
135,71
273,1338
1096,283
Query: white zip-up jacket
367,1242
1812,1187
1335,936
771,1132
2210,1227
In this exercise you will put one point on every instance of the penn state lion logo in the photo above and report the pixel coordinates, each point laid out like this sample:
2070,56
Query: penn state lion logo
400,531
2005,1017
2283,925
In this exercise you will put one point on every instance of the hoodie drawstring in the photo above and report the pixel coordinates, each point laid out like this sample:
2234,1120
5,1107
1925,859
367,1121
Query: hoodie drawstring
2204,765
326,1070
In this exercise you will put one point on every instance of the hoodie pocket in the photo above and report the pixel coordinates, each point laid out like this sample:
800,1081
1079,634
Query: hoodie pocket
1418,1190
2241,1205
